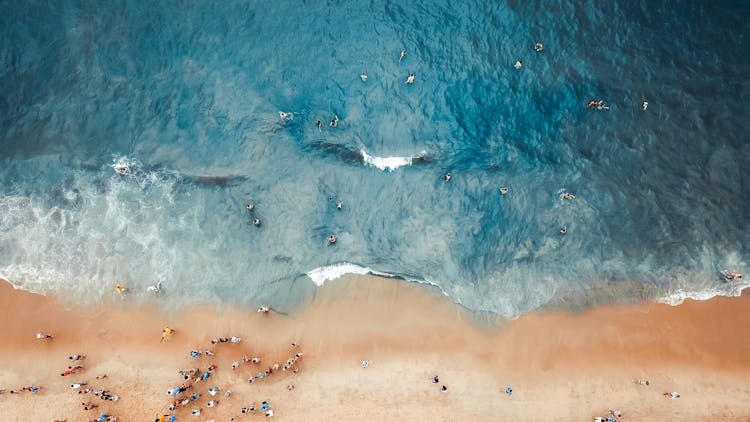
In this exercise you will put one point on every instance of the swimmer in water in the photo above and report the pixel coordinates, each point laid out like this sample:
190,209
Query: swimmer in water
410,79
256,221
331,240
122,169
250,207
402,55
339,204
566,195
518,64
644,105
538,47
447,177
285,116
599,105
504,190
120,289
731,276
363,76
563,230
335,121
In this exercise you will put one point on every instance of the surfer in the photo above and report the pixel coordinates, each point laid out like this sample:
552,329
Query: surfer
518,64
410,79
331,240
363,76
402,55
335,121
538,47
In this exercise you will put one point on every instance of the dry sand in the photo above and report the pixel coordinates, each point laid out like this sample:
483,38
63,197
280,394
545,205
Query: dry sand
562,367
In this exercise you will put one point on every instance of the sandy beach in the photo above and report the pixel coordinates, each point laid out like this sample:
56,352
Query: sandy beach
561,366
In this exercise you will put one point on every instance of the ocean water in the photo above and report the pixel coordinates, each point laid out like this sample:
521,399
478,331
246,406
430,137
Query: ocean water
184,98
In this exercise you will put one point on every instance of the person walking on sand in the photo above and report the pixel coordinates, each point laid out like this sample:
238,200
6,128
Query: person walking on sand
167,332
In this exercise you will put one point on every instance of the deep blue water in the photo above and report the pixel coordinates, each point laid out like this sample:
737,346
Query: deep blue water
188,95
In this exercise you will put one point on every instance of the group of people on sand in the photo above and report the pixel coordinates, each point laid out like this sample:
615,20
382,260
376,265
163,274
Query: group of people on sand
81,387
614,415
188,394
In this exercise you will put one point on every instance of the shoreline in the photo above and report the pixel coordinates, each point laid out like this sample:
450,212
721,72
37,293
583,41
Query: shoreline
561,365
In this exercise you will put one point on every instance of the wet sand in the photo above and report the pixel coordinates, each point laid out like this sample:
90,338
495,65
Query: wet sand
561,366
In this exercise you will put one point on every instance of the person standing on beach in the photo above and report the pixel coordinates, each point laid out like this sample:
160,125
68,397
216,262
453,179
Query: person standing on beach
167,332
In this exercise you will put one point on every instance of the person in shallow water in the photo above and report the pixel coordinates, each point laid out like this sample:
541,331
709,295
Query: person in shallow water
335,121
331,239
256,221
410,79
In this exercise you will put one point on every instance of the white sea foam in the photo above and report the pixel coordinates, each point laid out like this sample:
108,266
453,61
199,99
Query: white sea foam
388,163
679,296
331,272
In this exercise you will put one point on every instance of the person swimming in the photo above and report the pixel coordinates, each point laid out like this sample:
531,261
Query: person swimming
256,221
339,204
331,239
363,76
402,55
447,177
285,117
122,169
504,190
563,230
644,105
250,207
518,64
566,195
410,79
319,124
599,105
538,47
335,120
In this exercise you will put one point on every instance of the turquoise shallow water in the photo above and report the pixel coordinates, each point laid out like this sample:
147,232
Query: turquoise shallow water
187,96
